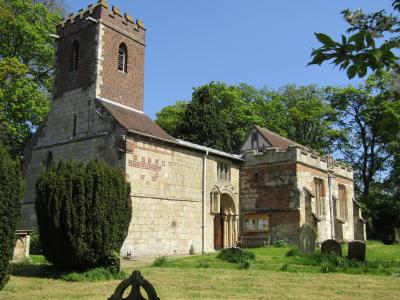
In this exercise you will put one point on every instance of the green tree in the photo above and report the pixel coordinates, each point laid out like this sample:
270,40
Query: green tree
10,206
371,144
218,116
373,39
26,66
203,122
304,115
170,118
57,6
373,118
83,213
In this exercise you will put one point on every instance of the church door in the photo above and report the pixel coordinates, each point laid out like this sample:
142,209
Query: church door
218,232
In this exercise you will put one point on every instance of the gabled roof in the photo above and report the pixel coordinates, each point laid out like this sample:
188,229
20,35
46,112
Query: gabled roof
135,121
275,140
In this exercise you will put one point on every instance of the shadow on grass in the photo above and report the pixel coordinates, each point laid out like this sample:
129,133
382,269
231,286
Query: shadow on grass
38,271
49,272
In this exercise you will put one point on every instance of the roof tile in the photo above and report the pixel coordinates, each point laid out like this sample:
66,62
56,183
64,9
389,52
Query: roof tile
136,121
276,140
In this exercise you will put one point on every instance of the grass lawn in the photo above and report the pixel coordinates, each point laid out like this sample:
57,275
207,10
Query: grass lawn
183,278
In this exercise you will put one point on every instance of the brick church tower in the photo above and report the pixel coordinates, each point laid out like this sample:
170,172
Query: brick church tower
99,68
102,50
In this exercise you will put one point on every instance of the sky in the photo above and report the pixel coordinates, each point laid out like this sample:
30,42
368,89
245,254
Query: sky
264,43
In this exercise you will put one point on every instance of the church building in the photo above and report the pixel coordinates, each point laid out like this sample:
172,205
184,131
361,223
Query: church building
183,195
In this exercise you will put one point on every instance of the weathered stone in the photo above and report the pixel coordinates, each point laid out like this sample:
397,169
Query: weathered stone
397,235
306,237
330,246
357,250
135,282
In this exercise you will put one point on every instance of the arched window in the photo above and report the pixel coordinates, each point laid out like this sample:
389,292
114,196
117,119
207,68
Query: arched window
254,140
256,176
123,58
49,159
74,127
74,56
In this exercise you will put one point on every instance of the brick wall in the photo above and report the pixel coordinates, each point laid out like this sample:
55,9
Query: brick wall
85,33
272,189
281,183
125,88
99,39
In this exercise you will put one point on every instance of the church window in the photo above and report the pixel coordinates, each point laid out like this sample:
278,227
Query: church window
254,140
74,56
319,194
49,159
256,177
342,202
74,127
123,58
224,171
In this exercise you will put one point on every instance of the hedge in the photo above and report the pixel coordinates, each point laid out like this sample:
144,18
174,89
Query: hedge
11,191
83,213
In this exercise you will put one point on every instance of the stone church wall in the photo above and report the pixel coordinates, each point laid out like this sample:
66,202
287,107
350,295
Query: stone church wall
167,185
93,139
269,187
275,185
310,167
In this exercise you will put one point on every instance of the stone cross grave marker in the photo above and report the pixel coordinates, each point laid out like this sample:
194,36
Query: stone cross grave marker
306,237
135,282
357,250
329,246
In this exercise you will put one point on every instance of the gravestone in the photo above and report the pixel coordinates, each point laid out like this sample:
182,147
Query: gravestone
357,250
135,282
306,237
330,246
397,234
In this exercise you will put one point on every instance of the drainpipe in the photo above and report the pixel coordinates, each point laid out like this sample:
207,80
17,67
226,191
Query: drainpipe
203,203
330,176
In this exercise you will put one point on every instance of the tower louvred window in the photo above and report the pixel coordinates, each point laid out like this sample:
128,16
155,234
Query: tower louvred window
122,58
75,56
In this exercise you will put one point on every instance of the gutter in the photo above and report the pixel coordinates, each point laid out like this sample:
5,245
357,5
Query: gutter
203,203
187,145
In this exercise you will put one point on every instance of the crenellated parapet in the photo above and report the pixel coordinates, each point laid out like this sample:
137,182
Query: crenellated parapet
101,13
270,155
297,154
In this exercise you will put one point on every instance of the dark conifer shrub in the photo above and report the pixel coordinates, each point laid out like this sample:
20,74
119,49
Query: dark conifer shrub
83,213
10,209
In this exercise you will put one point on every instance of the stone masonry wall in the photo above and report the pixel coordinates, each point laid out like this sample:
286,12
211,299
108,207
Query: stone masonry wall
94,139
278,182
311,167
272,188
306,176
268,185
167,198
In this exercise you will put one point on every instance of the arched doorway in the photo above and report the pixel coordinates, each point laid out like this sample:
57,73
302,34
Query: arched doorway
226,223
